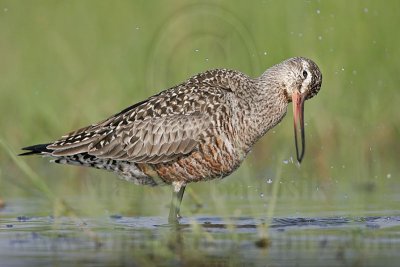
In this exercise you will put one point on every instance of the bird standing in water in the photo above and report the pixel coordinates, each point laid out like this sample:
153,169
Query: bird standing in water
199,130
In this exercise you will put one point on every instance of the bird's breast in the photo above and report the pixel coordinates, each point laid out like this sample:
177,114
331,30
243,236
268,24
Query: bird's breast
215,157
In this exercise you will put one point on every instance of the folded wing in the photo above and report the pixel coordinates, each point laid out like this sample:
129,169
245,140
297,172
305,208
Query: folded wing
152,140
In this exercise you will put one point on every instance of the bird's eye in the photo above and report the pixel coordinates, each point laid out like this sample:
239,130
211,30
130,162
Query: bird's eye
305,74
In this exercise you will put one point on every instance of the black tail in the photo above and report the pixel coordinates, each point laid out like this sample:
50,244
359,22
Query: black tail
36,149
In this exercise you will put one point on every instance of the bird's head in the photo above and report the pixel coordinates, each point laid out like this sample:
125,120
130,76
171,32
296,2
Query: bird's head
300,76
299,79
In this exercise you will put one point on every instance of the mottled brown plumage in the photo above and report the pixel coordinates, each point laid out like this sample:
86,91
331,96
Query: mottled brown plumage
201,129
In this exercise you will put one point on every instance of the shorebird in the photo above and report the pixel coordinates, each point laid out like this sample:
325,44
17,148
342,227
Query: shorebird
199,130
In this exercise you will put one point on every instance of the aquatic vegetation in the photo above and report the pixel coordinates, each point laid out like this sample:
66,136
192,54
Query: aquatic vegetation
57,57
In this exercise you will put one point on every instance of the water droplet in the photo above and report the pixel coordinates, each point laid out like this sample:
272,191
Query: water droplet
196,50
318,11
261,195
137,28
286,161
389,175
207,59
342,69
269,181
265,53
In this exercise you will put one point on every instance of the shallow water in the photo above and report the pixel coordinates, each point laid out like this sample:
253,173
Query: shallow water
66,64
209,241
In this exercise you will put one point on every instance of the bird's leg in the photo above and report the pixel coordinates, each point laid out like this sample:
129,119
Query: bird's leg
177,196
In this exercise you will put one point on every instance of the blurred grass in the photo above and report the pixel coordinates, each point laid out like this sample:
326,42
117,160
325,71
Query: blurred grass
66,64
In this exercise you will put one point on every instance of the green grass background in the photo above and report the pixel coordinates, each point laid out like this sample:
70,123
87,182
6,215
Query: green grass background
66,64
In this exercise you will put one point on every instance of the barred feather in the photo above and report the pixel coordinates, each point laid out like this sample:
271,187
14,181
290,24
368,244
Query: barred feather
198,130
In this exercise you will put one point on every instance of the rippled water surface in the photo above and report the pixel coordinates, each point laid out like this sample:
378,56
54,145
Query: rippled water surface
68,64
136,241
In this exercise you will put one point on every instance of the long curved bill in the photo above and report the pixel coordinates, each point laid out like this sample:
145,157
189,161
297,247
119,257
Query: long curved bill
298,113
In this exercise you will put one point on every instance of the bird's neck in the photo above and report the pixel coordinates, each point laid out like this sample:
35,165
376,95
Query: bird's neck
268,107
272,98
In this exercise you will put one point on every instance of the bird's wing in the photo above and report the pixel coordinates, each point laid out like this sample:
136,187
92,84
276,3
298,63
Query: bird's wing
152,140
158,129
